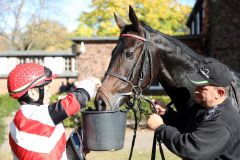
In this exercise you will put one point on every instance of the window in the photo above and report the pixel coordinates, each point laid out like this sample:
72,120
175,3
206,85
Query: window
192,28
196,25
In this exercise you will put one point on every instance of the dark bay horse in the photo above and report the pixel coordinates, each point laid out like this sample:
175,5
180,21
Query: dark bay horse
142,55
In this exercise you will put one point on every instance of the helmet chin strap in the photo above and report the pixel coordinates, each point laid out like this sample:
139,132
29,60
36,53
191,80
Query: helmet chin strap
26,99
41,95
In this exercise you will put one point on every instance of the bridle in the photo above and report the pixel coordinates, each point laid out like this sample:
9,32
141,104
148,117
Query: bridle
136,90
145,55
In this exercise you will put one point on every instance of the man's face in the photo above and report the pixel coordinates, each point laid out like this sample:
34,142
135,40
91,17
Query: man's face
206,95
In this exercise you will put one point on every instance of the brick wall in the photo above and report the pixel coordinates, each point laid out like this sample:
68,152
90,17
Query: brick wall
94,62
224,42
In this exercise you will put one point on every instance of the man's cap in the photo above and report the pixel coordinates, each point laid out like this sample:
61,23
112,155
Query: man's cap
211,73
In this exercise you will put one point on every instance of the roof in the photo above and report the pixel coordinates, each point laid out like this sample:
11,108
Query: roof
95,39
36,54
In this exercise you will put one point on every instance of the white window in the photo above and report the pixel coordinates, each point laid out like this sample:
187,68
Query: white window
192,28
198,23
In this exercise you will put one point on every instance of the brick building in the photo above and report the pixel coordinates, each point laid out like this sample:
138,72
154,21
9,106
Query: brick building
94,60
217,22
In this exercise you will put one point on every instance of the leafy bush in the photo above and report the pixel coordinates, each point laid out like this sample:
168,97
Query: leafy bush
146,107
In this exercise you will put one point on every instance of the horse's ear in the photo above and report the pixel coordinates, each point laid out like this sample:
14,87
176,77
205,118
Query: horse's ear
121,24
133,18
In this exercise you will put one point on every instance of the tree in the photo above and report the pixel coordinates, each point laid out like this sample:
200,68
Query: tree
46,35
23,26
167,16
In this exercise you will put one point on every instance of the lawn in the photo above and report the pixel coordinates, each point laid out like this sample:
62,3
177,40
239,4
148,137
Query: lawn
7,106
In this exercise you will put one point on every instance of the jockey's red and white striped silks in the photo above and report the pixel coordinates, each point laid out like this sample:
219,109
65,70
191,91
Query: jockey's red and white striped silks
33,134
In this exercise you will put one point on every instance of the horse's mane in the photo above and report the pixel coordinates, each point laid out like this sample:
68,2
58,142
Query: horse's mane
184,48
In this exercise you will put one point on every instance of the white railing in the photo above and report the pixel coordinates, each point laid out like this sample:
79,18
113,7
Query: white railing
61,64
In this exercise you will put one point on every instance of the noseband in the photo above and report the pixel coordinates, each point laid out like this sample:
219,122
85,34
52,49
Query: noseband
136,89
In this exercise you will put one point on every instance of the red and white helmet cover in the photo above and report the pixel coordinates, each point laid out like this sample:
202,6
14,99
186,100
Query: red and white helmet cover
26,76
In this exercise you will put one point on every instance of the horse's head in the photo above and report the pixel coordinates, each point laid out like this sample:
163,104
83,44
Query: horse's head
131,66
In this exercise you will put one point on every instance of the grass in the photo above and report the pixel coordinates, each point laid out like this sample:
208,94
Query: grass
7,106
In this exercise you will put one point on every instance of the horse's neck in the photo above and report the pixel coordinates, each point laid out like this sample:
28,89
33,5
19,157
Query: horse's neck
180,96
172,69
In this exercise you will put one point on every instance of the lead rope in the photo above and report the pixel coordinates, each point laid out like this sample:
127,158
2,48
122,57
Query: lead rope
134,134
132,105
157,139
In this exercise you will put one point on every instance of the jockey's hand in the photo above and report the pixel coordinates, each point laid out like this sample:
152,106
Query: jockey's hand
154,121
160,107
90,84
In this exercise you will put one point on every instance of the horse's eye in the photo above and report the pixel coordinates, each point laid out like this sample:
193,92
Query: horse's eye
129,55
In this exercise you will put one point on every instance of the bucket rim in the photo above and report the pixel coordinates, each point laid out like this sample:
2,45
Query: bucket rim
102,112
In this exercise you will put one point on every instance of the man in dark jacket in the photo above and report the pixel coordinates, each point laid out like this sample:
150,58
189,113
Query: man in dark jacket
211,124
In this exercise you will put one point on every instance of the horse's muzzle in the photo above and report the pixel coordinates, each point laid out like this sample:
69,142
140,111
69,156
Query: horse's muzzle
105,100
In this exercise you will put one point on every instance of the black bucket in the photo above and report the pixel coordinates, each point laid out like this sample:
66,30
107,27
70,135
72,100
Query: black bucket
103,130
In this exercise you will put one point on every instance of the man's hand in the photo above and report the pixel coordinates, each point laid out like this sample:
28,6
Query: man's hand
154,121
160,107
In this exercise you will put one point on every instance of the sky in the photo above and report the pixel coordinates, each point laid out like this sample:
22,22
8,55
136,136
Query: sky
69,10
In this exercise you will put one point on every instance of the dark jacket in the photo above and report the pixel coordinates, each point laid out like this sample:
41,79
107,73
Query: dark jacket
212,134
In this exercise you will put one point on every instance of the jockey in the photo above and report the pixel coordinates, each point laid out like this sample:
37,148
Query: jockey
36,131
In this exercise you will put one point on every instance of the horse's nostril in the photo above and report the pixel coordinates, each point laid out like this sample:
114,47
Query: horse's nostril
100,102
101,105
